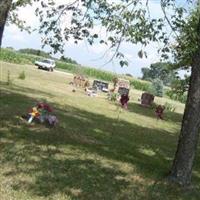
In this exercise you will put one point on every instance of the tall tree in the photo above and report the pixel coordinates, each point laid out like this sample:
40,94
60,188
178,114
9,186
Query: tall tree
5,6
188,54
160,70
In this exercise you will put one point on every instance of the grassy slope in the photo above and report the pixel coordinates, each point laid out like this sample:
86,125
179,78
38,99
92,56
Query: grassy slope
91,154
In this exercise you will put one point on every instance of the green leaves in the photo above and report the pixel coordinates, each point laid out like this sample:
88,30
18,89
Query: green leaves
123,63
189,40
124,20
162,71
142,54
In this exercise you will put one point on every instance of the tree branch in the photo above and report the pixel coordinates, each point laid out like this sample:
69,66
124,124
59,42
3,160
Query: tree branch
162,4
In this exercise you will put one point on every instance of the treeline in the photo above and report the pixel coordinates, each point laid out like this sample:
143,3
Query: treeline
41,53
160,70
68,60
35,52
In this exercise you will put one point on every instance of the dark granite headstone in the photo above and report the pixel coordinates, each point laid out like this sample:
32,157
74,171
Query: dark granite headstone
147,99
123,90
123,86
100,85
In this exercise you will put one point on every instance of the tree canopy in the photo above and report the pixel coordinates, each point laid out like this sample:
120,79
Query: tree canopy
127,21
187,43
123,21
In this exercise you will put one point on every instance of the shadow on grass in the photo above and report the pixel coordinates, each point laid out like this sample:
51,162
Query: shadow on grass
67,159
150,112
21,89
82,179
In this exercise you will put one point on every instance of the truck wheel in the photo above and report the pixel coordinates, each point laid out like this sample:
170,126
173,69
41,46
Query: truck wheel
51,69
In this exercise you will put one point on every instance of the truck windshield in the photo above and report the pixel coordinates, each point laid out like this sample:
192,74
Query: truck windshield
47,61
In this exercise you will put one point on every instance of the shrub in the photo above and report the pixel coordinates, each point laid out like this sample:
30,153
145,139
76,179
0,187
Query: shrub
157,88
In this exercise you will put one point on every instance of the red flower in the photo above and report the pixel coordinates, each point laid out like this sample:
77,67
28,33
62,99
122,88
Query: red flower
44,106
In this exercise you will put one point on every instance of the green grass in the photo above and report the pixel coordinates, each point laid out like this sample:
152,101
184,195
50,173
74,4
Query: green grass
92,153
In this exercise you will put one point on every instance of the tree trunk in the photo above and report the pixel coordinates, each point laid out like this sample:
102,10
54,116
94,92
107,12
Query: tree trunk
182,166
4,10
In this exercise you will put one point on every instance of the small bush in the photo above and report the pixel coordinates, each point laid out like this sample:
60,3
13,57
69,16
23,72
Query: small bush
157,88
22,75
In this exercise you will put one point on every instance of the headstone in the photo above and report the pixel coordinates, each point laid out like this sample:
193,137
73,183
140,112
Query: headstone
123,86
147,99
80,81
100,85
123,90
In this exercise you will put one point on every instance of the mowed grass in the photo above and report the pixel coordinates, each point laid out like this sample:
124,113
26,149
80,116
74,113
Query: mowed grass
97,151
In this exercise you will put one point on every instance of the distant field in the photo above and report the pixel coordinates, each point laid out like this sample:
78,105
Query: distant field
97,151
32,71
21,58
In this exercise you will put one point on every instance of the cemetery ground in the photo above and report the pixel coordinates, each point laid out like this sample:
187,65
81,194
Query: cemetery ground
92,153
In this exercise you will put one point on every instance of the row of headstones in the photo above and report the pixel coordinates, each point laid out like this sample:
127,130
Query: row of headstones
146,98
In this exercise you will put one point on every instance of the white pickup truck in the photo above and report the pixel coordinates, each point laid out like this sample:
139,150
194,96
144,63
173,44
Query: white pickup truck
46,64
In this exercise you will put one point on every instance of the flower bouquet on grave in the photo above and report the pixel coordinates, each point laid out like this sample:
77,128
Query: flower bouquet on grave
34,113
44,110
45,114
41,112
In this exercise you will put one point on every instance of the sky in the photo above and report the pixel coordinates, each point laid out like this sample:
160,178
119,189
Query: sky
83,53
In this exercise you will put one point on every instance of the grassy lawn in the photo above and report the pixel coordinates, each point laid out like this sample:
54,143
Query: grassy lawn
92,153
